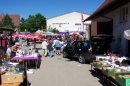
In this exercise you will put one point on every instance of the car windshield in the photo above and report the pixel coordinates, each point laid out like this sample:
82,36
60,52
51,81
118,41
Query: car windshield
84,44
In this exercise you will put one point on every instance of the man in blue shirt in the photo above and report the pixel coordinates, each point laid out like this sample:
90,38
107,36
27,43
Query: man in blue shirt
58,47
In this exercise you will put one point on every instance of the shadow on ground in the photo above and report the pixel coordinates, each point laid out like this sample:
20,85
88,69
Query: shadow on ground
74,59
31,64
98,74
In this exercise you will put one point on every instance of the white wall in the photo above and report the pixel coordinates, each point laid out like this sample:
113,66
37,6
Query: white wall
118,28
70,19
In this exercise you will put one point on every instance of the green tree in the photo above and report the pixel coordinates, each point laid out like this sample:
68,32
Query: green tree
54,30
50,28
33,22
7,22
17,29
40,21
23,24
1,25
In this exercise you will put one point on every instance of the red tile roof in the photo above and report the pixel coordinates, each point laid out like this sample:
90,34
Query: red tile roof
15,18
105,4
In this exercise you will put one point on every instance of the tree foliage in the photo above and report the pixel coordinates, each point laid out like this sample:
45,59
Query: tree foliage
33,23
54,30
1,25
7,22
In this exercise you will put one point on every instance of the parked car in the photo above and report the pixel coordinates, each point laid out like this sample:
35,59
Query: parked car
78,49
88,50
100,44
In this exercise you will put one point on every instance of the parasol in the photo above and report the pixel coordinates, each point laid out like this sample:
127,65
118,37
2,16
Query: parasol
47,32
15,35
32,36
23,35
39,32
127,34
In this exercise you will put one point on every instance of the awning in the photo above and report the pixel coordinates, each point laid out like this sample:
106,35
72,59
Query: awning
127,34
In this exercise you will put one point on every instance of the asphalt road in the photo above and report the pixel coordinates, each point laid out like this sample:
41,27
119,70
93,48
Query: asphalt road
59,71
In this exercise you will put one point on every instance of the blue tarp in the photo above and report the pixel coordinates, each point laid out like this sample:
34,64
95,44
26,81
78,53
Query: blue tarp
81,33
47,32
62,32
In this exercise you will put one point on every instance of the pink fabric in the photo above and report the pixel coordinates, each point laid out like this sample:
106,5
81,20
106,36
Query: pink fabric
3,43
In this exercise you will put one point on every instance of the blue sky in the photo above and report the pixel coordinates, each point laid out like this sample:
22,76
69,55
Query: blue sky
48,8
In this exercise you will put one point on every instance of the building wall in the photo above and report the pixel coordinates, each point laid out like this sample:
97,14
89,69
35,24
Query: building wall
93,28
15,18
118,28
68,22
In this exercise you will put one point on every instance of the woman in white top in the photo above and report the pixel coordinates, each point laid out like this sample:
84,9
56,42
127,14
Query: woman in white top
8,51
61,43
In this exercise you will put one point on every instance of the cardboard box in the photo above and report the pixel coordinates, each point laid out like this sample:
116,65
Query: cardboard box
12,78
118,70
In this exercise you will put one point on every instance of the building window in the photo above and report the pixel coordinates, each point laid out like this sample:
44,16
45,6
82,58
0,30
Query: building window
77,23
124,13
60,23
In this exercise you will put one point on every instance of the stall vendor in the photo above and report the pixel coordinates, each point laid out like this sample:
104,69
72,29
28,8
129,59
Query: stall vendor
14,50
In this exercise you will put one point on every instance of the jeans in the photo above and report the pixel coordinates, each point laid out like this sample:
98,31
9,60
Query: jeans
51,53
29,47
4,49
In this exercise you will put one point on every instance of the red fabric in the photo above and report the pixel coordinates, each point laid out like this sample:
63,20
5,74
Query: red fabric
3,43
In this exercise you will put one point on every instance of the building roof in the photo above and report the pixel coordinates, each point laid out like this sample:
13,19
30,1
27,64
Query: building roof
105,5
15,18
9,29
67,13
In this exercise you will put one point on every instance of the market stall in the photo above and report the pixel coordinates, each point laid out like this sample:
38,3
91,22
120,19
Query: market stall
26,56
6,31
39,32
115,67
14,73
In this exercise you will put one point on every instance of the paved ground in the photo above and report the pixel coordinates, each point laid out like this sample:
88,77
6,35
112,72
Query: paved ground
58,71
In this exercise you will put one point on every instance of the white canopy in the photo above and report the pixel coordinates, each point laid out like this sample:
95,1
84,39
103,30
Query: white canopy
127,34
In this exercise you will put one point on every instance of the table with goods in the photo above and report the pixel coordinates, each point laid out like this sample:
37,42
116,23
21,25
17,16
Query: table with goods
113,66
26,57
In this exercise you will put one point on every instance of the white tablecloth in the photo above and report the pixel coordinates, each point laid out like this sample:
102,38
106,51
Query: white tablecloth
101,57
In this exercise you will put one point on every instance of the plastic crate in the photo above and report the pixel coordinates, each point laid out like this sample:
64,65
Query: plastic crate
123,79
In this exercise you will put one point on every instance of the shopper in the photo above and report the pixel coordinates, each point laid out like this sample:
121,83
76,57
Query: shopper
44,47
50,48
113,47
14,50
58,47
4,43
8,52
